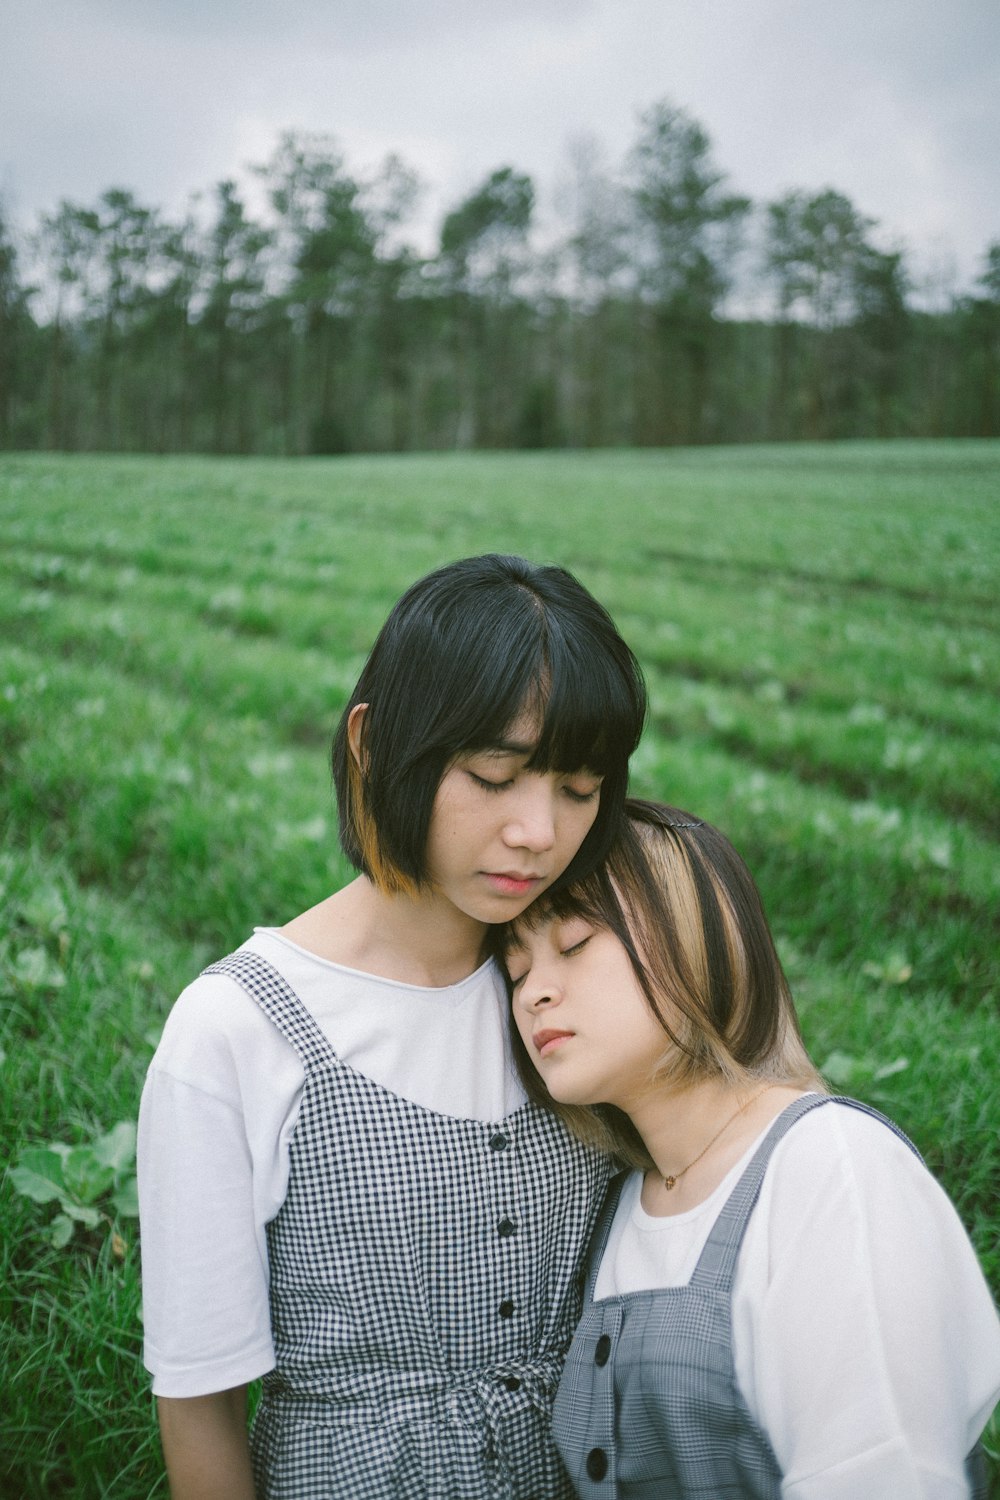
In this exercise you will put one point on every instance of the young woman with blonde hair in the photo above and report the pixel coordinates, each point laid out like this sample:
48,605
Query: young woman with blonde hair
781,1300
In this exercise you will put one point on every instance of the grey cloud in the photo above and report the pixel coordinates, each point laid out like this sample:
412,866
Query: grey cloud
895,102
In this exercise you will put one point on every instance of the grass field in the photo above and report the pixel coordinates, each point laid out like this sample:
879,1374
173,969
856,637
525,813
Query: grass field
818,628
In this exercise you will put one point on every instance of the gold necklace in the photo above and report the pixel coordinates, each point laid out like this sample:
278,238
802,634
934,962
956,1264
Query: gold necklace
671,1180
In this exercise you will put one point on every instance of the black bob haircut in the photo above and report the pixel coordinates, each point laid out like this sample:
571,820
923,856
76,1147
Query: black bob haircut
464,652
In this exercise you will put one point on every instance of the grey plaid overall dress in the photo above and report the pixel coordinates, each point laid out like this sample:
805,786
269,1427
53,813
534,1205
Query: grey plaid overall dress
425,1277
649,1407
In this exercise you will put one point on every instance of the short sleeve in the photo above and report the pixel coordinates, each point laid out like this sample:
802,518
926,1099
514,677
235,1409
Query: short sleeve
218,1106
867,1342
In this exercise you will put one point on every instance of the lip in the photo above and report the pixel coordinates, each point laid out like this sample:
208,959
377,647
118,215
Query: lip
510,883
545,1041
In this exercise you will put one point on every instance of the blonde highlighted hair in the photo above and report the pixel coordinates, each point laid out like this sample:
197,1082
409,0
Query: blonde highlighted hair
689,915
360,820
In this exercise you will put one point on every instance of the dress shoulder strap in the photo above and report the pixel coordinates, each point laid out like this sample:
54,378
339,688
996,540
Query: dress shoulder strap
279,1002
717,1263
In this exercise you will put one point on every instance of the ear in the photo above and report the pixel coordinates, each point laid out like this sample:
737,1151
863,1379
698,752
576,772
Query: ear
355,733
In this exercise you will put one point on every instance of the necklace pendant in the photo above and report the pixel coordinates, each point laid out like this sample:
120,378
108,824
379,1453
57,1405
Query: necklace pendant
668,1182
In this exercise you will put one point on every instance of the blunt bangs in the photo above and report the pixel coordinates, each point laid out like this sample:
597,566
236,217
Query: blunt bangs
467,653
582,715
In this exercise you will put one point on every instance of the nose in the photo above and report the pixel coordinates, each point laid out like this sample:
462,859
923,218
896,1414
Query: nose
537,989
532,824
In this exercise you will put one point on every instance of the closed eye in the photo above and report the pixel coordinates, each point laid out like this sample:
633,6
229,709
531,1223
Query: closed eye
490,786
576,796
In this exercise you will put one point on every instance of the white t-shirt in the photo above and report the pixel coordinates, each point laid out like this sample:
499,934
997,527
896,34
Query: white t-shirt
218,1110
865,1339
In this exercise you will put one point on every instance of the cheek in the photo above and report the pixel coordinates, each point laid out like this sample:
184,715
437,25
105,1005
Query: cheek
582,818
523,1025
522,1021
453,817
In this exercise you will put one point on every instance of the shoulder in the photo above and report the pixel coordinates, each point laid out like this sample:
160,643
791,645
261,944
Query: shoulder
863,1325
843,1176
215,1034
839,1141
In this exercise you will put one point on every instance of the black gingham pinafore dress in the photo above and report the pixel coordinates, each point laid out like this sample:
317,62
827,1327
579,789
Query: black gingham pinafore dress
649,1406
425,1274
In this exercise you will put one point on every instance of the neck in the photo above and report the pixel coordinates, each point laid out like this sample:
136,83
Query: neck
420,940
675,1124
695,1134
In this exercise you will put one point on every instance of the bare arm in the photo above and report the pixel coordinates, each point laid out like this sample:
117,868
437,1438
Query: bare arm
206,1447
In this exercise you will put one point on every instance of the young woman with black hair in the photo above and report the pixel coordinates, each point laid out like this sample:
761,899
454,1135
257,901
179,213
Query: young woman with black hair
343,1187
782,1303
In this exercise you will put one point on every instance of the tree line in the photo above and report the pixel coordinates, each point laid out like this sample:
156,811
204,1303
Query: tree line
664,309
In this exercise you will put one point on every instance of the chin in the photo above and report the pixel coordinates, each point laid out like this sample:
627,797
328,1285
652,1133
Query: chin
568,1095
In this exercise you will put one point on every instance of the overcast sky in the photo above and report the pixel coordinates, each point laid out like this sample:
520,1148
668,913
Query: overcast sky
894,102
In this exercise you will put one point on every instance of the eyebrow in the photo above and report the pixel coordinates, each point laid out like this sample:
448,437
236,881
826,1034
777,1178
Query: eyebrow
508,747
525,748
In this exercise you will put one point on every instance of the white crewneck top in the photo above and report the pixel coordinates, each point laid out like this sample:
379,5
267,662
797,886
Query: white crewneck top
218,1110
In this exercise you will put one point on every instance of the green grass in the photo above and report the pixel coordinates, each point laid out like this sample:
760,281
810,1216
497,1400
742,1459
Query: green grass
178,637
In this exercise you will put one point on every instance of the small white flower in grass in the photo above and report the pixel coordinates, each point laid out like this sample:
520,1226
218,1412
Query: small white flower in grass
315,830
881,820
37,603
176,773
939,852
33,969
902,753
866,713
226,599
888,1070
929,850
45,910
312,831
895,968
843,1070
839,1068
269,763
720,718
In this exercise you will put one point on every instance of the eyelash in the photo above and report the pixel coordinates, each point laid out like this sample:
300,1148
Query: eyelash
563,953
489,786
500,786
